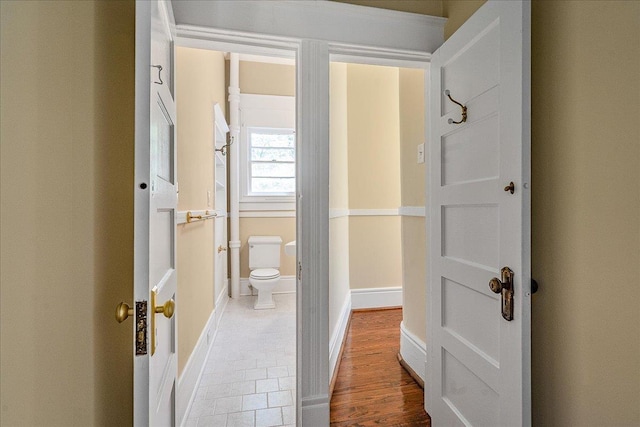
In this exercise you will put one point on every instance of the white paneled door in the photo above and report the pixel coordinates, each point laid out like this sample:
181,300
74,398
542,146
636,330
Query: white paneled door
479,222
155,361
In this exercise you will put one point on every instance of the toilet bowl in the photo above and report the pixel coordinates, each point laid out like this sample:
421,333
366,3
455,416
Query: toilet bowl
264,262
264,280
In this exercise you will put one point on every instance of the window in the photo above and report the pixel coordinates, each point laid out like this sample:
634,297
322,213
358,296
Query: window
271,162
267,153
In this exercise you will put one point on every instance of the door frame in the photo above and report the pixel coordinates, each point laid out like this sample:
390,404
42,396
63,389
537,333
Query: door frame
313,58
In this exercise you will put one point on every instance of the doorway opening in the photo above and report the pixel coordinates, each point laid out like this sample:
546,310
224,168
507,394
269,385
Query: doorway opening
236,163
377,236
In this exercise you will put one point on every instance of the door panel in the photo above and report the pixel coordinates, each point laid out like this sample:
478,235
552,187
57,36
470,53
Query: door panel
481,330
478,371
478,56
155,214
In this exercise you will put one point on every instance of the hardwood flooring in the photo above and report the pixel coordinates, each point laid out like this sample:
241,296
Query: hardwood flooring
372,389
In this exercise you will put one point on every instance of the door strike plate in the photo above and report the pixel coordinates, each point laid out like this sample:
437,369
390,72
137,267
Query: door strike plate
504,286
141,328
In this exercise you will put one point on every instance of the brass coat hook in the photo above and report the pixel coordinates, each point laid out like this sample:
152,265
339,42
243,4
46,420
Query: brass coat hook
225,147
464,109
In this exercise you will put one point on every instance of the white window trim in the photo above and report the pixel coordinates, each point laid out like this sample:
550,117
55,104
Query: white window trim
255,112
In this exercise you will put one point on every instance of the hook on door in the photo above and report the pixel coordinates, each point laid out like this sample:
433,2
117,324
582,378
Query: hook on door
159,67
464,109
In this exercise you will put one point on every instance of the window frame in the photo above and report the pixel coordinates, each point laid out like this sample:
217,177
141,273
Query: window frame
268,112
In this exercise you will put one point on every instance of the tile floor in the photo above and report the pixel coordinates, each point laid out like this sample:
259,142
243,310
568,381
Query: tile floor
250,375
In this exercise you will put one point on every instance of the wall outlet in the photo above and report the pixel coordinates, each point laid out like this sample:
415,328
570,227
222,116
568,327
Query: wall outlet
421,153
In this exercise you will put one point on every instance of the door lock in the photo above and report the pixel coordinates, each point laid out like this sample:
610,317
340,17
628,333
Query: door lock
123,311
504,286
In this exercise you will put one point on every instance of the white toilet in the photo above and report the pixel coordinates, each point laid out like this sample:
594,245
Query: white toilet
264,262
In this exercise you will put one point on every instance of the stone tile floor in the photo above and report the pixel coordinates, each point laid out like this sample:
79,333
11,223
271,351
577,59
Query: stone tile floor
250,375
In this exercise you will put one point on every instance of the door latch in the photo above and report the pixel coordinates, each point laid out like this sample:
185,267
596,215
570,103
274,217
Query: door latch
505,287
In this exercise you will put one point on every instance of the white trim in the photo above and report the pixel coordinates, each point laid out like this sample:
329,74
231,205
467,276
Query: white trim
378,56
247,57
286,285
194,369
376,297
222,128
315,410
337,336
412,211
268,214
312,232
413,351
338,213
221,303
373,212
348,24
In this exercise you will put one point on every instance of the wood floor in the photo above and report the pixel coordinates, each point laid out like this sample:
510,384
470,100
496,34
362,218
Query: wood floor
372,389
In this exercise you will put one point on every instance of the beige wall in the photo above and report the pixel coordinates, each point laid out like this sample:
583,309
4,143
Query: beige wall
585,211
267,79
412,177
338,194
373,175
457,12
339,156
374,153
66,212
375,259
200,85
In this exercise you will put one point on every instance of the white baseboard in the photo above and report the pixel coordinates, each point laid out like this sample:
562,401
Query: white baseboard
413,351
376,297
337,336
190,378
315,411
221,303
286,285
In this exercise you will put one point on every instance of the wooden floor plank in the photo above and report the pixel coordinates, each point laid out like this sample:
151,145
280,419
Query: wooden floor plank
371,388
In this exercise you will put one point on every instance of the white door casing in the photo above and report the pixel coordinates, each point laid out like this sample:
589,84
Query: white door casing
478,364
155,203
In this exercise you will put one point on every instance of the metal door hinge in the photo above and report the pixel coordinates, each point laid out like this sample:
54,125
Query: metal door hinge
299,271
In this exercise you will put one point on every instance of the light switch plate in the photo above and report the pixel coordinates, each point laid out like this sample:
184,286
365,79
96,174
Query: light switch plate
421,153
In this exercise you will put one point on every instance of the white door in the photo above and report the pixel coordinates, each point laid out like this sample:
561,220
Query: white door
478,367
155,363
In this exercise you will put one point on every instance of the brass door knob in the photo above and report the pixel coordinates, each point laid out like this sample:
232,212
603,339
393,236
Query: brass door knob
167,309
123,311
495,285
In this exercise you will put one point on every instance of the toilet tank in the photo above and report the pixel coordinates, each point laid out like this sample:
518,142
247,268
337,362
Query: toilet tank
264,252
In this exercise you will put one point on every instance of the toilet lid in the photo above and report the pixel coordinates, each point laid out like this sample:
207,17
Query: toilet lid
265,273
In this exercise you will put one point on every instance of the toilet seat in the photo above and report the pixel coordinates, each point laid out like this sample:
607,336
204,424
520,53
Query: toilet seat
264,274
